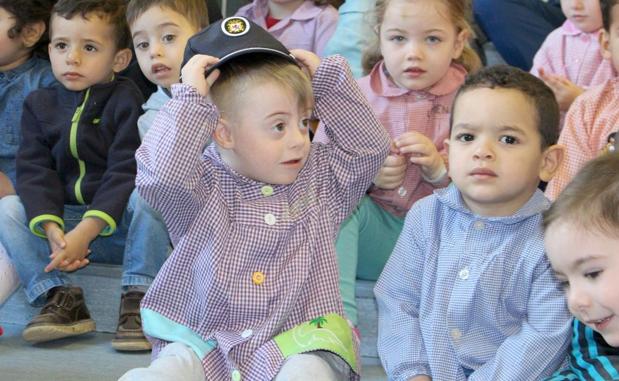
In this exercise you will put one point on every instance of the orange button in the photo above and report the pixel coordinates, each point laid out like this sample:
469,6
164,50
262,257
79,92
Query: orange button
257,277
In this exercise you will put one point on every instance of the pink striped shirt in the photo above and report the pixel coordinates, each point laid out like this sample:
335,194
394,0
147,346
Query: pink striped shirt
401,110
591,119
310,26
574,54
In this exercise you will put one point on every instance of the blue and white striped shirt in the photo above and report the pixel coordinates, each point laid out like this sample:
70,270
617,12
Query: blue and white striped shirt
591,358
470,297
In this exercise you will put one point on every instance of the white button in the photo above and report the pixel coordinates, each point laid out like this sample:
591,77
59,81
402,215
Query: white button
235,375
402,191
479,225
456,334
267,190
246,333
464,273
270,219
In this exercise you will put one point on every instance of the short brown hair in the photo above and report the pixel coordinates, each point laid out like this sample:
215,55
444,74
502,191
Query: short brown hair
591,199
250,69
111,10
194,11
533,89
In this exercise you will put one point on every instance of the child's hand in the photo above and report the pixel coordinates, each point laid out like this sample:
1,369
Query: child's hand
308,59
73,255
565,91
392,173
421,151
6,186
55,236
193,73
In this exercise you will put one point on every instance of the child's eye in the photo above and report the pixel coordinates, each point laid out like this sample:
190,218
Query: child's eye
306,123
169,38
141,45
465,137
60,45
433,40
397,38
593,274
564,284
508,139
279,127
90,48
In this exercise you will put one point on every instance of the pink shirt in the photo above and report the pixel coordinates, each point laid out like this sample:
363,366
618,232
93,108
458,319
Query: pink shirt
592,117
574,54
310,26
401,110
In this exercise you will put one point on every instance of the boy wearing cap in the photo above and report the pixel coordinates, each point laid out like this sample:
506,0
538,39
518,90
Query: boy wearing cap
76,179
251,288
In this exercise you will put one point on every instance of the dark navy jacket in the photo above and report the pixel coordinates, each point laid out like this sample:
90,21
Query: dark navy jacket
78,148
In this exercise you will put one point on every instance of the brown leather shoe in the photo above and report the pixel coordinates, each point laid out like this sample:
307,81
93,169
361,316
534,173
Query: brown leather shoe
129,335
64,314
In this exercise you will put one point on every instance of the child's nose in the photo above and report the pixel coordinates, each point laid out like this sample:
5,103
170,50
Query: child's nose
155,49
484,150
296,137
73,57
578,300
415,51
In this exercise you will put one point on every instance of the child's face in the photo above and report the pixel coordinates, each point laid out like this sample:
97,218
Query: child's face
159,38
609,41
83,51
12,50
495,155
585,14
268,136
418,42
587,264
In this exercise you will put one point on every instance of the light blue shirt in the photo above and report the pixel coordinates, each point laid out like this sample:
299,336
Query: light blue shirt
15,85
464,296
151,108
352,34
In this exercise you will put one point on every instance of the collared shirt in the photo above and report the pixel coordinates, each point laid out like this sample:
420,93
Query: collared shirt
591,358
151,108
471,297
591,119
309,27
575,55
252,260
15,85
402,110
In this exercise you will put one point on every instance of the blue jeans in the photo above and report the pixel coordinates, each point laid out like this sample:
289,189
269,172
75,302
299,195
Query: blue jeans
518,27
140,243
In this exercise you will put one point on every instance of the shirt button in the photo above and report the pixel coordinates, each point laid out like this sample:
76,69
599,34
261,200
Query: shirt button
479,225
246,333
402,191
464,273
266,190
270,219
257,277
456,334
235,375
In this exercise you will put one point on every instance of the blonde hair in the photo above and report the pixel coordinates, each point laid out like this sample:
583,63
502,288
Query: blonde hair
591,199
459,14
255,69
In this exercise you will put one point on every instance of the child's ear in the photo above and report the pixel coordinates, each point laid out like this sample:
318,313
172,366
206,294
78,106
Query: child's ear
223,135
552,158
604,39
32,33
121,60
460,43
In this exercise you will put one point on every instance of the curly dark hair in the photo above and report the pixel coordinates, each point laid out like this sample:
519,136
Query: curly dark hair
28,12
112,10
533,88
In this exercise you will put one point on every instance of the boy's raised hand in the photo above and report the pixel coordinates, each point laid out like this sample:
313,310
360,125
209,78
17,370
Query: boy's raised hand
193,73
391,174
421,151
309,60
565,91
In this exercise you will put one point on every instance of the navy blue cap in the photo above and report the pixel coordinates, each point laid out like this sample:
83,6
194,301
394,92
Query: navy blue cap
233,37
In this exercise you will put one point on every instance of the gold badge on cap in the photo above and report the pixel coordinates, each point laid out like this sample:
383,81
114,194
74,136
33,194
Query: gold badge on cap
235,26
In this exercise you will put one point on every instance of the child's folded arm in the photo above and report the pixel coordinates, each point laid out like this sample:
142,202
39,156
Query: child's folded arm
171,170
358,142
398,293
540,347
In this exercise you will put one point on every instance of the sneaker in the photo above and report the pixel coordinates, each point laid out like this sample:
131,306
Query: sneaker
129,335
64,314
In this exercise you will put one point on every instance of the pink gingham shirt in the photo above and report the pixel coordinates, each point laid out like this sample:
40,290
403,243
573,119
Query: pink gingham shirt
310,26
574,54
402,110
591,119
225,227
